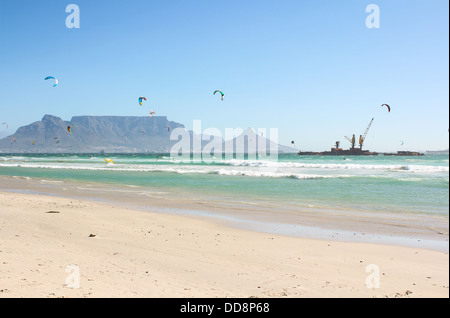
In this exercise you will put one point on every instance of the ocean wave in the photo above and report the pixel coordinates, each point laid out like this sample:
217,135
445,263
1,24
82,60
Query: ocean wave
299,171
275,174
73,162
334,166
12,158
179,170
50,181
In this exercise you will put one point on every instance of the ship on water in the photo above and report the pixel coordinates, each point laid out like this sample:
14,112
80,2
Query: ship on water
353,151
336,151
356,151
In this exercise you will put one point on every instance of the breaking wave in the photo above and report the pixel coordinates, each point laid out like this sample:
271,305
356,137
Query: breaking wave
332,166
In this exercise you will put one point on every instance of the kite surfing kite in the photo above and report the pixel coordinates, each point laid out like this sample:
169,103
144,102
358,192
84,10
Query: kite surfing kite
293,143
388,107
6,125
108,161
152,113
221,93
141,99
69,129
168,128
57,140
13,140
51,77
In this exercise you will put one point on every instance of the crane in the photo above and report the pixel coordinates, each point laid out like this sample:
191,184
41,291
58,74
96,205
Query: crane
363,137
351,140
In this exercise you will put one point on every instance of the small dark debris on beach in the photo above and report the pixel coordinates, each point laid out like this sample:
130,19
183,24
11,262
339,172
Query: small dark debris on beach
52,212
92,235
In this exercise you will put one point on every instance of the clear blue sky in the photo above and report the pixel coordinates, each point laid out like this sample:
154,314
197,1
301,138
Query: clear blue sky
312,69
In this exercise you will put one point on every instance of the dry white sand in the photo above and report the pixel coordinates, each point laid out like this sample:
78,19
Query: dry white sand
141,254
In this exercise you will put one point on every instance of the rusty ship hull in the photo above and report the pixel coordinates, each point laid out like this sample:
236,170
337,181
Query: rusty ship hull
340,152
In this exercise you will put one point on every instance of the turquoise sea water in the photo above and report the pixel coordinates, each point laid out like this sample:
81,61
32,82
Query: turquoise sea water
374,184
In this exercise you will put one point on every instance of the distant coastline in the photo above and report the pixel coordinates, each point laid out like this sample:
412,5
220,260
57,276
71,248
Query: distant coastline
437,152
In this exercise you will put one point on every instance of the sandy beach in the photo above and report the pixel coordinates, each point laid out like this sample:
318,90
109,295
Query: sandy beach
61,247
214,150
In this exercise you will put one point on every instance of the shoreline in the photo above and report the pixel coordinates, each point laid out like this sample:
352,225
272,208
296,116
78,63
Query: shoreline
421,231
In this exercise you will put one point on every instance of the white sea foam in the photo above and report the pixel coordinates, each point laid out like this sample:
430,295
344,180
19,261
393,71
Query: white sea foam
270,169
12,158
275,164
51,181
22,178
268,174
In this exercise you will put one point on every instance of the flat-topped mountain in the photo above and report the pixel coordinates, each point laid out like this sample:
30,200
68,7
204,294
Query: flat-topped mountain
92,134
119,134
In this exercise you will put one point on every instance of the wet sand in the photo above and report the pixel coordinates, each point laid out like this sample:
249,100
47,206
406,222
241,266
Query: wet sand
263,215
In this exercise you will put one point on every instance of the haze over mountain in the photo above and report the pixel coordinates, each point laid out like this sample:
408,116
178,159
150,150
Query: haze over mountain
110,134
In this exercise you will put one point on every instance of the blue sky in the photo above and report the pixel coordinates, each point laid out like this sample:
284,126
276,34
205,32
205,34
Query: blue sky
312,69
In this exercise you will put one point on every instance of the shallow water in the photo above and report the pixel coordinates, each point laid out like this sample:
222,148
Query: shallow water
375,184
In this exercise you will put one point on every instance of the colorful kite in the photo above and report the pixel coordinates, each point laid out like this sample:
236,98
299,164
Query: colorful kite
141,99
109,161
53,78
221,93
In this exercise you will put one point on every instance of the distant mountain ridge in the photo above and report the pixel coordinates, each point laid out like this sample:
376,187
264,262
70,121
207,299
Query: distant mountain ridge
108,134
438,152
92,134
